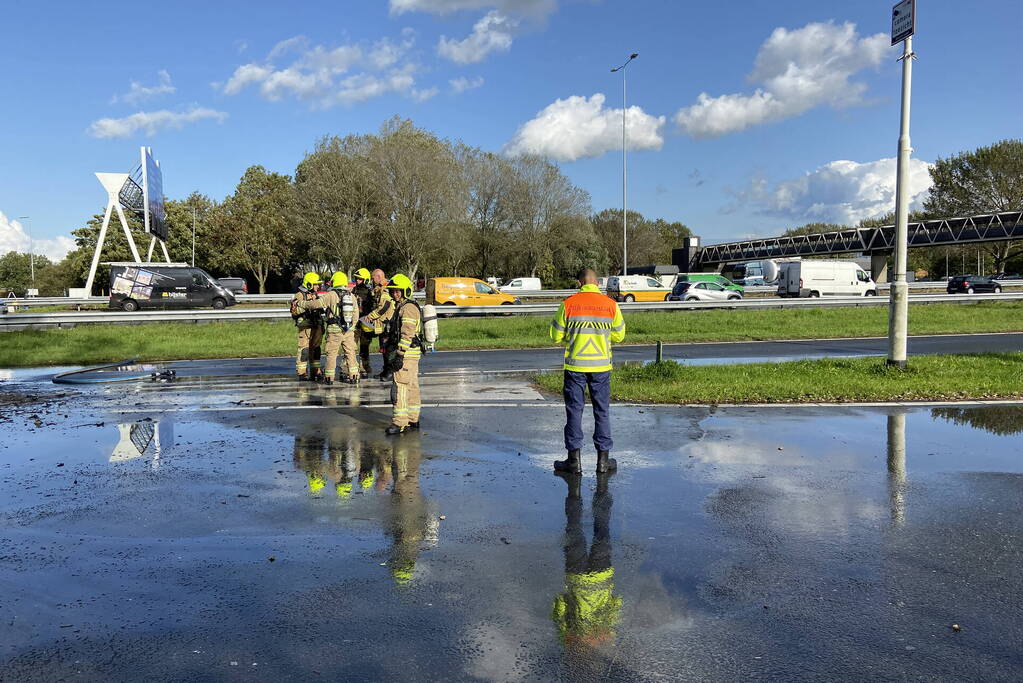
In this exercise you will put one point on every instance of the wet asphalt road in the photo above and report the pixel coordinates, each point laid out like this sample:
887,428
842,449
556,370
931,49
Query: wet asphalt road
245,527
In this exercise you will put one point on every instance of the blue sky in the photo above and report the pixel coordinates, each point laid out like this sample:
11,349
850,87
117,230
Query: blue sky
750,117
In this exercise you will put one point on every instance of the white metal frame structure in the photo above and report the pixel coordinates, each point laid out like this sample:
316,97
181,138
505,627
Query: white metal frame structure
122,191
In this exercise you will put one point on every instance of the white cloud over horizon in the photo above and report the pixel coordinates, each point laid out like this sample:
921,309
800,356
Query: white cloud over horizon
795,70
461,84
492,33
138,92
328,76
14,237
843,191
150,123
579,127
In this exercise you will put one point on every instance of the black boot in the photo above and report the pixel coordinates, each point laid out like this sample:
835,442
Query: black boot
364,374
605,464
413,425
570,465
395,429
303,377
328,381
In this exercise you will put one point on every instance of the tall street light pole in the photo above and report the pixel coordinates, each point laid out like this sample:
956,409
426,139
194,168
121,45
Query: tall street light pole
625,169
31,258
193,235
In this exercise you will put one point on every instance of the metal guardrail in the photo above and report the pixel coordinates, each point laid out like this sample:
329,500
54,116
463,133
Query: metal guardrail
537,294
61,320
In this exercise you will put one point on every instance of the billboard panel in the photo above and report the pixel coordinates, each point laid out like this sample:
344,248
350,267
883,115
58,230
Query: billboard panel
152,190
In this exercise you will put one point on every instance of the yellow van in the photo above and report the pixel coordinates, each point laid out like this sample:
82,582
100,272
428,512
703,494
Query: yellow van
464,291
629,288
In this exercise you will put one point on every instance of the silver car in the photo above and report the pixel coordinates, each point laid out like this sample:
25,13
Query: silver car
702,291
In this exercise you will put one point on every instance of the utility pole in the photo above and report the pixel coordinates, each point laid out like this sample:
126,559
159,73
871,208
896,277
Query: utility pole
903,27
625,173
193,235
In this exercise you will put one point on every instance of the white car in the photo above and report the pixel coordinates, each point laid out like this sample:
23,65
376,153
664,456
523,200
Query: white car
702,291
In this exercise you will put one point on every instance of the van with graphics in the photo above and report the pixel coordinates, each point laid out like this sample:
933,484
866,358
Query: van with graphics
465,291
165,285
629,288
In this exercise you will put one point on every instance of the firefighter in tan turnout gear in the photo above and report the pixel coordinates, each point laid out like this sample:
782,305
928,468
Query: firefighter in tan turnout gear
404,348
310,330
338,307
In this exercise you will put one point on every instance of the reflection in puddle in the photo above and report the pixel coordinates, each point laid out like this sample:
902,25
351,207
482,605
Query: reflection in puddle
154,438
1001,420
588,610
353,465
897,467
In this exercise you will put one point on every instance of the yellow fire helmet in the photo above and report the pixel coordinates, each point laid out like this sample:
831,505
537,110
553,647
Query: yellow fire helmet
362,274
338,280
401,282
311,279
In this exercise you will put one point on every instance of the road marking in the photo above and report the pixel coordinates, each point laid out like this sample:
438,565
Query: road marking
559,405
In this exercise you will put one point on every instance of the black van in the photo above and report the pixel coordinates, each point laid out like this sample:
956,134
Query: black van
165,285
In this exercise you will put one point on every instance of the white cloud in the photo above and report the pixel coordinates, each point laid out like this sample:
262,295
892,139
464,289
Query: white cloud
796,71
579,127
461,84
14,237
492,33
535,8
326,76
138,92
149,123
843,192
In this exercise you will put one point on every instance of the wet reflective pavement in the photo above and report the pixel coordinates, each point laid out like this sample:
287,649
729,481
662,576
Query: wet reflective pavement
247,527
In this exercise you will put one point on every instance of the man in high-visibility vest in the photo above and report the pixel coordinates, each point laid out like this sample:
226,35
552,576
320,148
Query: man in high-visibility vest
338,307
587,324
310,328
403,347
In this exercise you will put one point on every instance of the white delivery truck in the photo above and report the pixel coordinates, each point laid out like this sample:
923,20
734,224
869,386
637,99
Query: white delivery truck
812,278
520,284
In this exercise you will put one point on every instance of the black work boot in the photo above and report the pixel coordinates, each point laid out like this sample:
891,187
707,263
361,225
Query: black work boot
395,429
413,425
328,380
363,374
303,377
605,464
570,465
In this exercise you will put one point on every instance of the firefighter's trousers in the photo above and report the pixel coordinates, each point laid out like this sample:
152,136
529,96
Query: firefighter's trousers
346,344
405,393
308,354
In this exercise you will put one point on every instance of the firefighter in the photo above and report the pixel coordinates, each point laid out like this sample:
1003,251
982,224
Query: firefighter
374,323
338,307
588,610
404,347
310,330
363,294
587,323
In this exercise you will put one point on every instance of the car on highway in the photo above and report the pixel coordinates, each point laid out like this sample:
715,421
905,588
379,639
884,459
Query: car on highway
710,277
235,285
702,291
972,284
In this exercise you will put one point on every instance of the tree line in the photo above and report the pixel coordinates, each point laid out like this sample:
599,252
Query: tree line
403,200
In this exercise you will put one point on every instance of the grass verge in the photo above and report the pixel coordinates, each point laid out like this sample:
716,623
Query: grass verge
929,378
90,344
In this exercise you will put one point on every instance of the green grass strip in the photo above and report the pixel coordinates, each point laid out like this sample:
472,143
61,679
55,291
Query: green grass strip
928,378
90,344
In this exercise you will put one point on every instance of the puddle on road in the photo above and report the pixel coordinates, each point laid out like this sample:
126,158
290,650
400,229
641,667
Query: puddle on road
730,542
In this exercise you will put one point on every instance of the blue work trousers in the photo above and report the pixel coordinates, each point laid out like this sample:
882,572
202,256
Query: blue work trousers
575,401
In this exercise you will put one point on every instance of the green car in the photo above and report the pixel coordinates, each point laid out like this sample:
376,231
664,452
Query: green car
710,277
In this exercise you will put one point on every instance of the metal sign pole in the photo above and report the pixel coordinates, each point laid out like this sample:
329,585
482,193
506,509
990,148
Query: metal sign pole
898,317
